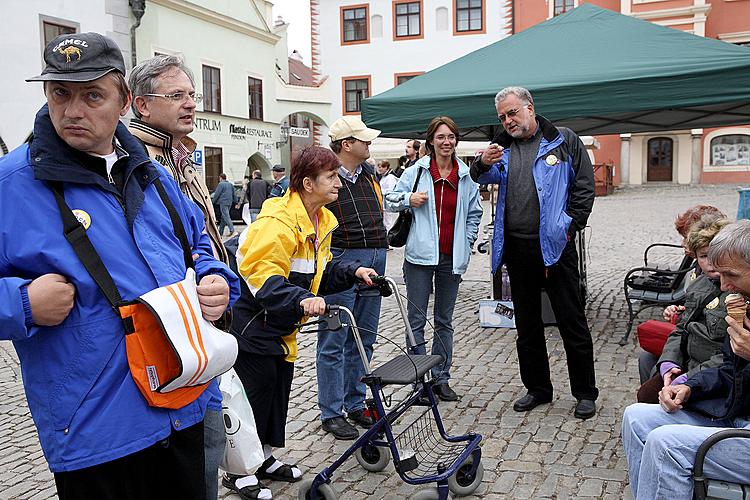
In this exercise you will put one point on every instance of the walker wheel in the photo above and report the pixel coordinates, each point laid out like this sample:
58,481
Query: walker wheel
462,483
373,458
325,491
428,494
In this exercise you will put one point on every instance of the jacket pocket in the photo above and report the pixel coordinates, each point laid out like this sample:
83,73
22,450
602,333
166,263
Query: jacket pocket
82,354
559,235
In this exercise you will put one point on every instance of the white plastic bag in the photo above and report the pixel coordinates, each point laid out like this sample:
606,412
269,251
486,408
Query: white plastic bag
243,452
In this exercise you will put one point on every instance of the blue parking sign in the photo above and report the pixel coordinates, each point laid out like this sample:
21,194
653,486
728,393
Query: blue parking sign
198,157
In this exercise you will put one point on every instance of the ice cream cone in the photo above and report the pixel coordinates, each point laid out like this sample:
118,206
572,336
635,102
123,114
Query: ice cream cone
736,307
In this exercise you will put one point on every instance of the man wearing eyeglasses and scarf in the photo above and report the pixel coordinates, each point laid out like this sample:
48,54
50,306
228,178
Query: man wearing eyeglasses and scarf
164,102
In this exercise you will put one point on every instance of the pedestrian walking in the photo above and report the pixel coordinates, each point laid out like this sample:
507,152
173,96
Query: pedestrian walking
546,184
224,197
258,191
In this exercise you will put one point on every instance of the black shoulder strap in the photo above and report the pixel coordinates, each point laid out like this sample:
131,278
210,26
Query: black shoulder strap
76,235
179,228
416,181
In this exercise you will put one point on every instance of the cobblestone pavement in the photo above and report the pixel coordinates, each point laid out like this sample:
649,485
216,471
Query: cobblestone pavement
543,454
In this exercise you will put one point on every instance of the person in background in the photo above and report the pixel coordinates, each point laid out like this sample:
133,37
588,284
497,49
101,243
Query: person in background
258,191
164,101
286,265
388,181
281,182
447,213
683,223
695,344
224,197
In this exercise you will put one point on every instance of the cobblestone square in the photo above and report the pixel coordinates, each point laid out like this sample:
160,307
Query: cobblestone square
545,453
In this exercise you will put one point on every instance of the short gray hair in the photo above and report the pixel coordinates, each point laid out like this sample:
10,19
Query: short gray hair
732,240
143,77
519,92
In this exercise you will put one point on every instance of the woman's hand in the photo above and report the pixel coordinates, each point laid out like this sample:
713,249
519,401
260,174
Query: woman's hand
364,273
670,312
417,199
313,306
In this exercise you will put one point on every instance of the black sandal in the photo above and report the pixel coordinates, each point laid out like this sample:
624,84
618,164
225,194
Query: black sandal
246,492
283,473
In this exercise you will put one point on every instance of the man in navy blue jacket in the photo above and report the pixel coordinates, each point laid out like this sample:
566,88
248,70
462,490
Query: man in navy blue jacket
661,441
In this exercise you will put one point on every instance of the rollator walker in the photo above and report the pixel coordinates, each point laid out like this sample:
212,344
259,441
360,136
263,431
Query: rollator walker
412,433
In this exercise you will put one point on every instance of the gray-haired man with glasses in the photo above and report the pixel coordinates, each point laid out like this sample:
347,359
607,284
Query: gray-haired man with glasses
164,102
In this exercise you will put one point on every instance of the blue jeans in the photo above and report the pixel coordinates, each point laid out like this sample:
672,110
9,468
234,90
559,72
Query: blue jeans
339,365
253,213
661,447
226,220
215,438
419,283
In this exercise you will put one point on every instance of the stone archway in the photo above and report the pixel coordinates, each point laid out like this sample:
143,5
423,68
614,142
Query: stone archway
258,162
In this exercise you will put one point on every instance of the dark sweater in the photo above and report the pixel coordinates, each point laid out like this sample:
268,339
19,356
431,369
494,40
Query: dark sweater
359,210
521,200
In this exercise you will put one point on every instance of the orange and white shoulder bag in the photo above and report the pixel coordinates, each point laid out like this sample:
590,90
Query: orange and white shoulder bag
173,352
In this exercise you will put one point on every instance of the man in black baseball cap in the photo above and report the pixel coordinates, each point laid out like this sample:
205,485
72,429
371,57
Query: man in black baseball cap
84,169
81,57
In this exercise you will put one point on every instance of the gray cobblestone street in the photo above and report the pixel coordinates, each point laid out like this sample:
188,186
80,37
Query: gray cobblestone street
542,454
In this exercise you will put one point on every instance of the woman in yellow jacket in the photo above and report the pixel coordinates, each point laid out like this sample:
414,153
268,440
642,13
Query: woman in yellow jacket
286,264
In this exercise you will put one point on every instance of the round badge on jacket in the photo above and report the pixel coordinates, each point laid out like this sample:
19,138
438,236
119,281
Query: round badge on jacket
551,160
83,218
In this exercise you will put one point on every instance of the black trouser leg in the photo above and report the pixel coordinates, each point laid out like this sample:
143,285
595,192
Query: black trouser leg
562,285
526,272
172,468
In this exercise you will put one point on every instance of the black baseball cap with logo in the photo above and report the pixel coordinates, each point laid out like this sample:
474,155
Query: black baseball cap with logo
80,57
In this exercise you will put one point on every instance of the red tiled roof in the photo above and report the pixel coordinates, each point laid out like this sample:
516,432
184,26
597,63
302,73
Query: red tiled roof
301,75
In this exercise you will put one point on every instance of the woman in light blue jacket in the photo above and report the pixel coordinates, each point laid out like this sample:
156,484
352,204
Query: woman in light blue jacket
446,209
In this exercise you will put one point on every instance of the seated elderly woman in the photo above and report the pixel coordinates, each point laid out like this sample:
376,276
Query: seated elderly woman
682,224
696,342
286,265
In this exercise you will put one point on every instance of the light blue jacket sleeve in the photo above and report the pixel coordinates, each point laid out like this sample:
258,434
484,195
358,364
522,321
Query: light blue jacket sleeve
12,315
397,199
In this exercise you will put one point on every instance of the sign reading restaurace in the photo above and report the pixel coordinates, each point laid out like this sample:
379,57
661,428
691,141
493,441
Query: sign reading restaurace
299,132
235,131
243,130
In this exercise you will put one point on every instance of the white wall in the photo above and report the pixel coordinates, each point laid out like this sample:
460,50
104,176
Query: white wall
383,57
22,38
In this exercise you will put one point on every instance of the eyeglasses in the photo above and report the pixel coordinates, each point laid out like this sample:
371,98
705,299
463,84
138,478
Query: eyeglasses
354,139
180,96
510,114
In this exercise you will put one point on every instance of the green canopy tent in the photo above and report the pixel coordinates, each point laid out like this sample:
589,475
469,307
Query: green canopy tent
591,69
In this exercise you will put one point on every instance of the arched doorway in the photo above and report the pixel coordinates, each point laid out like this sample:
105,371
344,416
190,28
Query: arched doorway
660,159
258,162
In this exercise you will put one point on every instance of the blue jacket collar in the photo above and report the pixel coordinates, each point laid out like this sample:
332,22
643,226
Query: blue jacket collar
53,160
